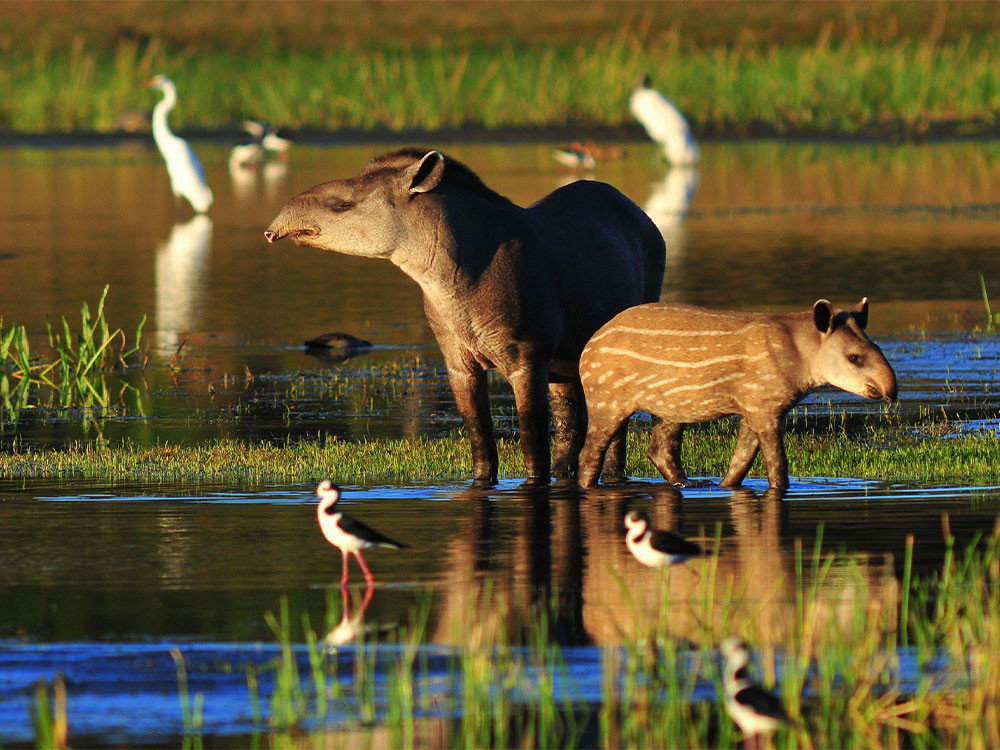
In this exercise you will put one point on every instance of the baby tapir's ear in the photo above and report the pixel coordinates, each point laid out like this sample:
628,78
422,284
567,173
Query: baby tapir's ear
425,175
823,316
861,313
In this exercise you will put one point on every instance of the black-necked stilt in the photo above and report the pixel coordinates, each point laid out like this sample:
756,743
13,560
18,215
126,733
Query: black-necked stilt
575,157
755,710
664,123
348,535
653,547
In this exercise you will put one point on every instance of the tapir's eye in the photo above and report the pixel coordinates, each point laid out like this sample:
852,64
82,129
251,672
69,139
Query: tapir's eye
854,359
339,205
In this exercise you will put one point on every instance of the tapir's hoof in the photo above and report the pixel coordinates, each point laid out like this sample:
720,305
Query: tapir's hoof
696,483
536,482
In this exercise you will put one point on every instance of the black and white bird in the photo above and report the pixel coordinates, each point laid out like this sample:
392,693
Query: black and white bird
263,140
664,123
348,535
653,547
755,711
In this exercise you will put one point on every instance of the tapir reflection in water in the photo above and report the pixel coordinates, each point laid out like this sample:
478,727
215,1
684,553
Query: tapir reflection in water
516,289
686,364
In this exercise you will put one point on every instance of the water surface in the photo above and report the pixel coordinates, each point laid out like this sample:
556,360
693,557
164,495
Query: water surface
101,581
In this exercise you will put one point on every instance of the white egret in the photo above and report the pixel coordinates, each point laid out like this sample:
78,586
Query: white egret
664,123
187,178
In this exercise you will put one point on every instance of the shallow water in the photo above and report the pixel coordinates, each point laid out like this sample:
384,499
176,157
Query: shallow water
101,582
104,579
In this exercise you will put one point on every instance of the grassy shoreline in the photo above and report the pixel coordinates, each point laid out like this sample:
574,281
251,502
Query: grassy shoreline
898,72
882,453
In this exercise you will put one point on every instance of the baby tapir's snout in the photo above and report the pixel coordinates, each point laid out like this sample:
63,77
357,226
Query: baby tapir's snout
686,364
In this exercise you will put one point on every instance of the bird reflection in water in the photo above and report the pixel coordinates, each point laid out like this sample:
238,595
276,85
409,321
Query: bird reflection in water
667,205
350,626
180,278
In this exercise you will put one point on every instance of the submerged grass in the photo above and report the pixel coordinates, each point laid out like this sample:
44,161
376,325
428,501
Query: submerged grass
881,452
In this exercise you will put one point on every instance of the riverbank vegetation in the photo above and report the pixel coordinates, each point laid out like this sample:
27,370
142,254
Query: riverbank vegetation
836,69
879,452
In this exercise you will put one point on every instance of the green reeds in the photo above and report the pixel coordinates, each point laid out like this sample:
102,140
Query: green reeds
992,318
833,88
75,375
191,708
838,665
49,716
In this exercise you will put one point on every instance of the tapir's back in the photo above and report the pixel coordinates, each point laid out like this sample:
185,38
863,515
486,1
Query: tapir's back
691,362
604,253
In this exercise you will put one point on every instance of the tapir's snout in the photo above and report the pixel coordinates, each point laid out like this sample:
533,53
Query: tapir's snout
287,224
883,387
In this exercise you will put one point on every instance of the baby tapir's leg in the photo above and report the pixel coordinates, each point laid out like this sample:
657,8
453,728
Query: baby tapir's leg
744,452
600,430
665,450
569,416
772,448
614,460
766,438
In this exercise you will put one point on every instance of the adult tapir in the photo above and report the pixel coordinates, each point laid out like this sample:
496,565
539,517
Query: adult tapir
516,289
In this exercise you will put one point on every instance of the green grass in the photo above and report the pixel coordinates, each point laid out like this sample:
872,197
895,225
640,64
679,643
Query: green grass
73,372
878,452
838,82
836,668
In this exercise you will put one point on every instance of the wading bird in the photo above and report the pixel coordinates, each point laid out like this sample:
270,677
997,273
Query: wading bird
664,123
263,140
348,535
755,711
187,178
653,547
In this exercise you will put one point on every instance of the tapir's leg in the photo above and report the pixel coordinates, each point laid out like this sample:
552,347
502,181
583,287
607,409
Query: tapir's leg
530,386
614,464
601,430
772,448
768,435
744,452
665,450
569,416
472,399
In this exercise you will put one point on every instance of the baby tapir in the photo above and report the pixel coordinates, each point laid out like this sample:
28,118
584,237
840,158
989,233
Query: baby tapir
686,364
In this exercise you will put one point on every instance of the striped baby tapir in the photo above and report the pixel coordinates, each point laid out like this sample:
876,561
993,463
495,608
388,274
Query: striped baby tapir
686,364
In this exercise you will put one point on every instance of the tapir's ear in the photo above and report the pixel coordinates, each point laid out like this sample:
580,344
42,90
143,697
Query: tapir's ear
823,316
426,173
861,313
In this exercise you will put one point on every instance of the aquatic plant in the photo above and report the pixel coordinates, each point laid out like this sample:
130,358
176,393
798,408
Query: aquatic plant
191,707
992,318
876,452
840,667
49,716
75,374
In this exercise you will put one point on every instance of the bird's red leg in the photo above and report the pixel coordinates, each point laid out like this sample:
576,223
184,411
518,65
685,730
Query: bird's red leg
364,568
344,571
369,593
